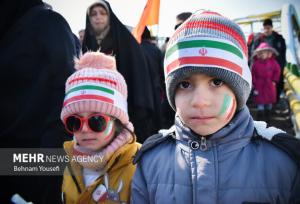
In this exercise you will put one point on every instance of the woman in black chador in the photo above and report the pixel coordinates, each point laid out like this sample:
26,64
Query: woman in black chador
104,32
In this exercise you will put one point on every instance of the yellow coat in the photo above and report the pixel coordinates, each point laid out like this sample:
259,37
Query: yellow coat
118,168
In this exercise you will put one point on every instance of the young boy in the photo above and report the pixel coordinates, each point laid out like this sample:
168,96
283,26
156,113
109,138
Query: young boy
214,153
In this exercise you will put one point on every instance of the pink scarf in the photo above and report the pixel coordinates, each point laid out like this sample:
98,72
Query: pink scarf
97,160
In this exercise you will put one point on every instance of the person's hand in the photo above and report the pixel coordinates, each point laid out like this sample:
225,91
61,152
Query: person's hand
255,92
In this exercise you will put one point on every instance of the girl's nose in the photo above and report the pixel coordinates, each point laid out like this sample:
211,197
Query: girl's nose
85,127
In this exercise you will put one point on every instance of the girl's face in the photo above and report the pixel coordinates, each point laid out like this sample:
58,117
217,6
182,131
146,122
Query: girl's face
264,54
99,19
94,140
204,104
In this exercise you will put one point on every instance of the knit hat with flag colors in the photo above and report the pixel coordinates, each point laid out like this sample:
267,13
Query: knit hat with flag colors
96,87
212,44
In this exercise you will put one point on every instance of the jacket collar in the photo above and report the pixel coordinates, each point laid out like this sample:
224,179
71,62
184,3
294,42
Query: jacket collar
241,127
123,156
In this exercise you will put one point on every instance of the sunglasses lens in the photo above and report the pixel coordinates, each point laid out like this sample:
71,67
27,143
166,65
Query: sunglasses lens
73,124
97,123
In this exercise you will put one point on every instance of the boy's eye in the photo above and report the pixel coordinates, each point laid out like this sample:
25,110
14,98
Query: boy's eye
184,85
217,82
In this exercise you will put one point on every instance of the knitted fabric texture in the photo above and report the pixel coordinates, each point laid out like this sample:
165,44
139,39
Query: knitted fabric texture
96,87
211,44
97,160
263,46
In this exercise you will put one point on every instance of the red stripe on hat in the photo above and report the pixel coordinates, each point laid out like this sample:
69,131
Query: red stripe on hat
211,12
205,60
216,26
93,97
93,78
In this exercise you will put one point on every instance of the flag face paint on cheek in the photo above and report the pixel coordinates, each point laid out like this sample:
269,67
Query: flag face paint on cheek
227,107
231,109
109,130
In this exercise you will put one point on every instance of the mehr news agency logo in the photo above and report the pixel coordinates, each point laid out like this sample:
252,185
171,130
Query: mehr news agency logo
38,159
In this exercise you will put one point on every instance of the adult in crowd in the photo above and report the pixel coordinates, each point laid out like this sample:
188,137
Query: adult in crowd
76,39
104,32
155,63
276,41
36,56
81,35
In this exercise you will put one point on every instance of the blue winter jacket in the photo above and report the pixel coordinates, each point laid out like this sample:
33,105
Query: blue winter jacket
227,168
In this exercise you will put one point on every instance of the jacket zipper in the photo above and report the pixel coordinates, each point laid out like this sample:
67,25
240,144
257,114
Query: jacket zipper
203,145
193,179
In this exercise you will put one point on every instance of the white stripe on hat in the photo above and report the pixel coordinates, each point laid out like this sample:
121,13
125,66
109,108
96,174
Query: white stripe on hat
209,52
117,97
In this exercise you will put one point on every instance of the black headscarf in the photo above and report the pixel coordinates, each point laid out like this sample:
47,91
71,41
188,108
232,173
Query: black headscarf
131,63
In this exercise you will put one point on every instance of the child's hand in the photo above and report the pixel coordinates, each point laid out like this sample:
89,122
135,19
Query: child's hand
255,92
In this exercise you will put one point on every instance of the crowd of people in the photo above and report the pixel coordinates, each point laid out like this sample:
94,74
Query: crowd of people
170,125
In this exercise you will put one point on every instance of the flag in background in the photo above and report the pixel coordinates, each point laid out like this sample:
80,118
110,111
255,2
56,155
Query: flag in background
149,16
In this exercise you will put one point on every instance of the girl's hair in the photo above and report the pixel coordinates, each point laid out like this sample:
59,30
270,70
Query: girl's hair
120,127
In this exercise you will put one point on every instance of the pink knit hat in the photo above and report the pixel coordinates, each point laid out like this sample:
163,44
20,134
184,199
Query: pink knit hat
96,86
263,46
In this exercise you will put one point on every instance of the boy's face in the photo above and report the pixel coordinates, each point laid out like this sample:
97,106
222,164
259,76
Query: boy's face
93,140
204,104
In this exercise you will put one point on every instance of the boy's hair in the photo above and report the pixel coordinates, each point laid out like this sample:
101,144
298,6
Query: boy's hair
211,44
268,22
182,17
96,87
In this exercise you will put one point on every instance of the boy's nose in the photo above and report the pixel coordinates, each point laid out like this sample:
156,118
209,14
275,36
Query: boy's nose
200,98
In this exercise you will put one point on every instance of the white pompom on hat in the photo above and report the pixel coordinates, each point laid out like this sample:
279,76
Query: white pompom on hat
97,87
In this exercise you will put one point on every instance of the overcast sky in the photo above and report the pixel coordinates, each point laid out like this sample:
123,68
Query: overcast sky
129,11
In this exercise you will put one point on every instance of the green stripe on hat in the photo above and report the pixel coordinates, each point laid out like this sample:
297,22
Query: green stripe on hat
205,43
213,61
91,87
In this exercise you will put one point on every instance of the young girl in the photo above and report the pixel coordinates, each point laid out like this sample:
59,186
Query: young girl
95,112
265,74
